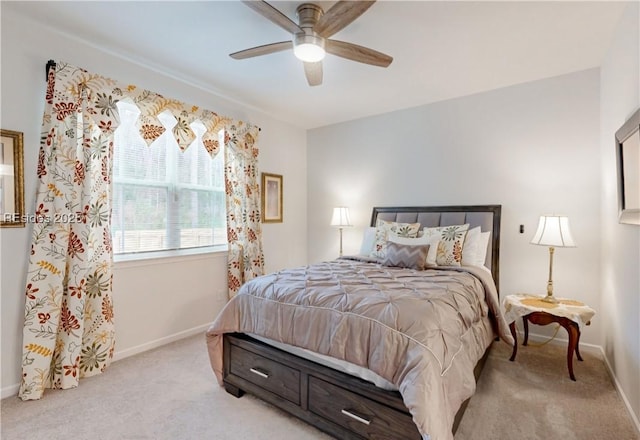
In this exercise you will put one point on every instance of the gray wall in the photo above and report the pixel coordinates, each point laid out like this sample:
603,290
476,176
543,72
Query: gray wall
620,288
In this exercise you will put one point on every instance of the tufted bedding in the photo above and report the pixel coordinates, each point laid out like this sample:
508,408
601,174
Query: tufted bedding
423,331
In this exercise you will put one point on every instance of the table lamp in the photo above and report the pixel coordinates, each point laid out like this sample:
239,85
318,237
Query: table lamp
340,219
553,231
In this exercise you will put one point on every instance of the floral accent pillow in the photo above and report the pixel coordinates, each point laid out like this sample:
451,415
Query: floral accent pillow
451,239
384,228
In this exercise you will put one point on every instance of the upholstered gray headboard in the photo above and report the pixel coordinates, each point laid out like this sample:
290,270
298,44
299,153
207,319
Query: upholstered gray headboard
485,216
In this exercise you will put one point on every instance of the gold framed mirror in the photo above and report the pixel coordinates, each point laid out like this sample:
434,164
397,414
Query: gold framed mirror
11,179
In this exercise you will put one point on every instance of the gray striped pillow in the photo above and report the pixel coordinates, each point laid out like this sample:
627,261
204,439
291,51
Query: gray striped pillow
406,255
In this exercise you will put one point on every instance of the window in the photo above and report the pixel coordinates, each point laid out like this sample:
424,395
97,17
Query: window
165,198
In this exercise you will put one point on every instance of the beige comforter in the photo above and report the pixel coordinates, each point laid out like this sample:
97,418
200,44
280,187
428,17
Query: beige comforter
423,331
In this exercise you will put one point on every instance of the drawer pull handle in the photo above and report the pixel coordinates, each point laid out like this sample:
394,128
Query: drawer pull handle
355,417
259,373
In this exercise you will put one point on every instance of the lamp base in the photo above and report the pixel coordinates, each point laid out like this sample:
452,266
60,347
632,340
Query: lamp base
550,299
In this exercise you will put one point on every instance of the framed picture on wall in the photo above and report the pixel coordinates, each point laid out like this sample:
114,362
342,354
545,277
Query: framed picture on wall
271,198
628,161
11,179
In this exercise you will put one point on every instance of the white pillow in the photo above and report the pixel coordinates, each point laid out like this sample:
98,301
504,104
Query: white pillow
470,247
481,251
474,251
431,241
368,240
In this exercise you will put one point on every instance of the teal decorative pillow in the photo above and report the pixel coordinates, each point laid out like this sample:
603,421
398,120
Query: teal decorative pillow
451,239
384,228
406,255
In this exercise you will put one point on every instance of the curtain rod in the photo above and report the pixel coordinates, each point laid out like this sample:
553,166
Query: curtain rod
50,64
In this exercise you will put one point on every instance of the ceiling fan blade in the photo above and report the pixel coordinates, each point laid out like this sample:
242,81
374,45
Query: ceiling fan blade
313,72
262,50
272,14
354,52
339,16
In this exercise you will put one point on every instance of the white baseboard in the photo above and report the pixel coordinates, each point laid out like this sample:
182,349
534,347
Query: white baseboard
12,390
119,355
561,341
9,391
627,404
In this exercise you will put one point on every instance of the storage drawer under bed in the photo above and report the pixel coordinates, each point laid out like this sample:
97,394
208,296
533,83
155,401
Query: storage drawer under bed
268,374
315,393
360,415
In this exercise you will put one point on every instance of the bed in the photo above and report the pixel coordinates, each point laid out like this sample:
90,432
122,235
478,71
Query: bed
343,344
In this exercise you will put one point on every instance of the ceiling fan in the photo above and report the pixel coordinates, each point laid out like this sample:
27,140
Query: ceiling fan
311,40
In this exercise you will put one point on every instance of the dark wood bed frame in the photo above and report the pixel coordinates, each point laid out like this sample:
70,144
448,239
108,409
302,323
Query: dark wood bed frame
339,404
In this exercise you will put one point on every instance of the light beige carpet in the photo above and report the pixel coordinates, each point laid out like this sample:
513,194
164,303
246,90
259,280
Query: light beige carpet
170,393
533,398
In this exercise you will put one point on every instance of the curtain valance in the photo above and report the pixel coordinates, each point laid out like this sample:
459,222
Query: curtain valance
103,94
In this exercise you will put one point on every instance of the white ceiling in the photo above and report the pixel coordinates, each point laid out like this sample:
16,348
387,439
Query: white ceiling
441,49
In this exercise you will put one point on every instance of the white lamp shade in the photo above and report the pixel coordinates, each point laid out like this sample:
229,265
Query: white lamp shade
553,230
340,217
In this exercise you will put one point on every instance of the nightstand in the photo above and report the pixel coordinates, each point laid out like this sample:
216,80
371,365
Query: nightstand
570,314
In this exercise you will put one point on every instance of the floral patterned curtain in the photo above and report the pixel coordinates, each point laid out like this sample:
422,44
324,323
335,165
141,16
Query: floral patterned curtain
69,322
68,328
245,257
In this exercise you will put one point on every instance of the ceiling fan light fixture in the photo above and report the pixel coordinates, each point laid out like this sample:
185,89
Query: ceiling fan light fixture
311,36
309,48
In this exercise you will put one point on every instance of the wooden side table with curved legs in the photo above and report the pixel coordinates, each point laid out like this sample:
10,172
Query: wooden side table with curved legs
569,314
543,318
